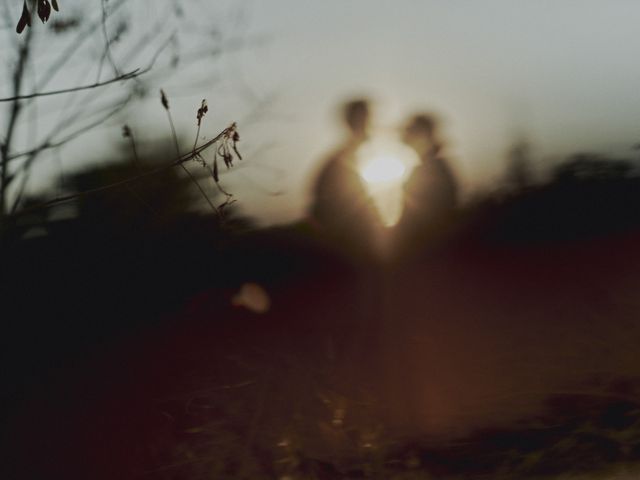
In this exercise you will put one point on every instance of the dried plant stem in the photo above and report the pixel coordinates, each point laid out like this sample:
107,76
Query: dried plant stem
5,146
107,42
25,168
186,170
224,192
195,142
136,158
61,60
178,161
214,169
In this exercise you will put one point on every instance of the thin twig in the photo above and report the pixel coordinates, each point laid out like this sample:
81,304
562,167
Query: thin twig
134,149
59,63
5,148
25,167
195,142
107,43
176,162
48,143
125,76
175,142
103,57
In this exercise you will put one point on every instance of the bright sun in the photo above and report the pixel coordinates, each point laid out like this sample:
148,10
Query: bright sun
383,169
384,165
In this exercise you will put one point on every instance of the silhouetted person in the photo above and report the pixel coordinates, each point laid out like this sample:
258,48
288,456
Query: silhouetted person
342,208
346,218
431,192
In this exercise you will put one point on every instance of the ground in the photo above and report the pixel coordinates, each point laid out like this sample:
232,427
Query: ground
469,361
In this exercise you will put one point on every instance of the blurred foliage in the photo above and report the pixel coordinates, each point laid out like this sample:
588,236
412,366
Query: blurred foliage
586,196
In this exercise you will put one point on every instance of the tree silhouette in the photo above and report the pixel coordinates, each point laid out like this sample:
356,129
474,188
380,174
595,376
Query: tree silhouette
40,80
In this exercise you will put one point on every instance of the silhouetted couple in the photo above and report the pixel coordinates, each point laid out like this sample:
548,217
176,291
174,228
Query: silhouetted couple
342,207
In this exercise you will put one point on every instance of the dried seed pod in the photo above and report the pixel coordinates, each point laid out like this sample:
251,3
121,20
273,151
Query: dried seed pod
234,137
228,159
164,100
44,10
202,111
25,18
214,172
223,151
235,149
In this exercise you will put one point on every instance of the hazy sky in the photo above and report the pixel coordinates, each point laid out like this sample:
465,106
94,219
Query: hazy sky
564,73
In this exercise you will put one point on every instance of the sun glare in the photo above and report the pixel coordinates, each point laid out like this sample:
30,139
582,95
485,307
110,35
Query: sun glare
384,165
383,169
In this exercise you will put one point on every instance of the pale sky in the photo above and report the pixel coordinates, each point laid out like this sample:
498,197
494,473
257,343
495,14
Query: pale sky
562,72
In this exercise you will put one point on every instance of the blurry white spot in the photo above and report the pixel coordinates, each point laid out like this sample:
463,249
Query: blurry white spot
384,164
284,443
383,169
252,297
385,160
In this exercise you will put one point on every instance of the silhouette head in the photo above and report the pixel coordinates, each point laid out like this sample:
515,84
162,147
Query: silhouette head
356,116
420,133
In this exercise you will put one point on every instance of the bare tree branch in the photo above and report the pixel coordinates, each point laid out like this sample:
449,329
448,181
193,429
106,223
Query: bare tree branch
79,39
226,133
49,143
16,175
107,42
25,168
125,76
5,148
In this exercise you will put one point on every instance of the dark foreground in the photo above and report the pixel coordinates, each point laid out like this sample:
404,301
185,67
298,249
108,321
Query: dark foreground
124,358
